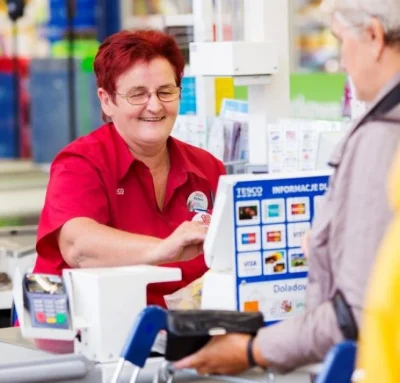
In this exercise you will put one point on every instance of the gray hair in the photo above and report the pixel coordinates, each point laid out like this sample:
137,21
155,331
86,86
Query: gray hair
358,13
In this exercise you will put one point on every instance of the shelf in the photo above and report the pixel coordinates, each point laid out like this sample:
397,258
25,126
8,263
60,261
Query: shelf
22,188
6,298
158,21
20,203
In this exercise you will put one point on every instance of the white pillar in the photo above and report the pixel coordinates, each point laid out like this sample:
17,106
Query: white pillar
203,16
268,20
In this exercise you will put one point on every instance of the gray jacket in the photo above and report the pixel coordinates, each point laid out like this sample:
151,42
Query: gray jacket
344,241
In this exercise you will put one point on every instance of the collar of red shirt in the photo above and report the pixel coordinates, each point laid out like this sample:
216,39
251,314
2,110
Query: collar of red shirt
177,151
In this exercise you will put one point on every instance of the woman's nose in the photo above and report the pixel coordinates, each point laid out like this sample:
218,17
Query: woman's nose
154,104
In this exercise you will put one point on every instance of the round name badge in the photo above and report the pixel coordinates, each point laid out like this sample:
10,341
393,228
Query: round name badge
197,201
203,218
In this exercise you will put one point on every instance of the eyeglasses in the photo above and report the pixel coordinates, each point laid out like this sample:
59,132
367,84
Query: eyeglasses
142,96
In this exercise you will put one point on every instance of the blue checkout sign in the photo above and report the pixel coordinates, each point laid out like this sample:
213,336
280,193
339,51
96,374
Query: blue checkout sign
270,219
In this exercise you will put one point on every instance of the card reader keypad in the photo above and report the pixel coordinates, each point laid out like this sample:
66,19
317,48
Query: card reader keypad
50,311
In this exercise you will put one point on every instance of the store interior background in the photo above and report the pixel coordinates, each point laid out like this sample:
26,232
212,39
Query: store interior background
48,92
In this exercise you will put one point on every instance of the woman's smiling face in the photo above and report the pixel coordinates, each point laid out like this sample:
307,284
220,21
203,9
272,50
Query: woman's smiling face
151,122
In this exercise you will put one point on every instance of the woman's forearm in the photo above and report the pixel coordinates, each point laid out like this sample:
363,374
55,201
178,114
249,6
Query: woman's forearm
85,243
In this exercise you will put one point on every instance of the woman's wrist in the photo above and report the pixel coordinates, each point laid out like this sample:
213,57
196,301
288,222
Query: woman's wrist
155,253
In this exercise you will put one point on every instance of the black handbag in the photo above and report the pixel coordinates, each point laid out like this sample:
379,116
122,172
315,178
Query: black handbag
190,330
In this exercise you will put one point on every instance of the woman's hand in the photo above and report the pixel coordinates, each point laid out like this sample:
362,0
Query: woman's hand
185,243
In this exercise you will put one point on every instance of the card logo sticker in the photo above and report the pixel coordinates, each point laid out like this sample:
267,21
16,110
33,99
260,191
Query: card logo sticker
296,232
249,264
298,209
273,210
248,238
274,236
297,261
274,262
248,213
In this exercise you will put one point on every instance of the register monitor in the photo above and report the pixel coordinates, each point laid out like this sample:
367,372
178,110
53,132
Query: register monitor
218,246
327,143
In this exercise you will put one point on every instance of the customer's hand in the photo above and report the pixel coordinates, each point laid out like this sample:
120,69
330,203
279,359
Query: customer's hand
185,243
224,354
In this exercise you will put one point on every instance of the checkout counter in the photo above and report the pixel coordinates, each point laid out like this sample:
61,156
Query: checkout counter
23,362
98,333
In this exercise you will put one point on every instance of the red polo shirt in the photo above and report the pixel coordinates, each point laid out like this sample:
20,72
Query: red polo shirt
97,177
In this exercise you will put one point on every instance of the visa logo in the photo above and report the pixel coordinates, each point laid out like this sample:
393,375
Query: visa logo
273,211
298,208
274,236
248,238
250,263
299,234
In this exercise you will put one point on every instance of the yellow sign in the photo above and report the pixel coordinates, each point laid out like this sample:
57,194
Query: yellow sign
223,89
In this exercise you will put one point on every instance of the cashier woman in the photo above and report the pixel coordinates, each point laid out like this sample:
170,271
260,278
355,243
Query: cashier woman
120,195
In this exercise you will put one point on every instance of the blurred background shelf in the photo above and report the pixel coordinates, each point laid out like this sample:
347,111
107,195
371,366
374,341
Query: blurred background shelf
22,188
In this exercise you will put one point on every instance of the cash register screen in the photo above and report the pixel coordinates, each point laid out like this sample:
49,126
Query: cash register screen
44,285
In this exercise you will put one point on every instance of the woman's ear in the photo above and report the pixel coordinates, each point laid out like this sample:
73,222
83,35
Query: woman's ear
106,102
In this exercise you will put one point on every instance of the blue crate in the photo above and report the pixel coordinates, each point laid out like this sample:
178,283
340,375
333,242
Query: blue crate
7,131
49,108
85,14
49,105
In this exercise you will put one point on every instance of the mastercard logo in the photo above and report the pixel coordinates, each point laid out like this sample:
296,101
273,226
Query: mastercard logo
298,208
274,236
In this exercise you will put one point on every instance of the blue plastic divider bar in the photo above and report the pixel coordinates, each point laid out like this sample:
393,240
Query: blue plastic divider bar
148,324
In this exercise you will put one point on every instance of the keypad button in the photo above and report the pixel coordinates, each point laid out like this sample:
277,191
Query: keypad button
61,318
51,320
40,317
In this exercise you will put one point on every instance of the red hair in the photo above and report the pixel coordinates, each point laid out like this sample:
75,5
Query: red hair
120,51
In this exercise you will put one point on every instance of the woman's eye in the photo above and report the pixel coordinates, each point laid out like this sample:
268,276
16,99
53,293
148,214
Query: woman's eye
138,95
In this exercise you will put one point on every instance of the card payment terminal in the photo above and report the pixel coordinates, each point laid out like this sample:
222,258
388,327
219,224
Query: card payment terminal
46,299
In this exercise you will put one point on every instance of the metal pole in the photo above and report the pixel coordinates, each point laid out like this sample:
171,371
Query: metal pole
16,75
71,71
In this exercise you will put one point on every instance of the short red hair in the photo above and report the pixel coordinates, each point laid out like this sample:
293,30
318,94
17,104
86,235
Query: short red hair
120,51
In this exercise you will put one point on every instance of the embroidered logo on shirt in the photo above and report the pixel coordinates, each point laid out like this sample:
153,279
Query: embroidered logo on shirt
120,191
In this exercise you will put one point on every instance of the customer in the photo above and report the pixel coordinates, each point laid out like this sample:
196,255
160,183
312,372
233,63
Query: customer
379,354
350,226
119,195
